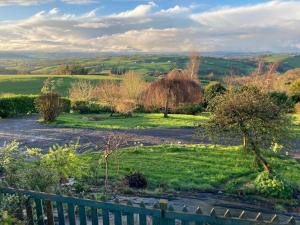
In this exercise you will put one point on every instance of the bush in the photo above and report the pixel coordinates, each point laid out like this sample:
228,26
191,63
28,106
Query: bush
297,108
84,107
282,100
136,180
273,186
212,90
17,105
190,110
49,105
66,105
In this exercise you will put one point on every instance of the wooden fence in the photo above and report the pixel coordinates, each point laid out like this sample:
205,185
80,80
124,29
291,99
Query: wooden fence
68,210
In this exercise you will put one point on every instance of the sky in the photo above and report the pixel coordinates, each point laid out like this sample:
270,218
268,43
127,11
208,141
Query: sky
150,26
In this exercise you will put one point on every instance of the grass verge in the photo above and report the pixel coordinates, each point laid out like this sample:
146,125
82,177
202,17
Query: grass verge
138,121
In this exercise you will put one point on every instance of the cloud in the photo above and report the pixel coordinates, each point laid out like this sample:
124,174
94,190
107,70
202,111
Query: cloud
267,26
22,2
261,15
78,2
139,11
175,10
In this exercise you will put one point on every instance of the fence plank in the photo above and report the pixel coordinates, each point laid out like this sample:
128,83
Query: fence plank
94,216
118,218
142,219
130,219
61,215
105,214
82,215
71,214
39,212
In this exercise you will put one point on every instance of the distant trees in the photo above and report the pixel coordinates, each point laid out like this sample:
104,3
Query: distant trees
250,114
71,70
118,70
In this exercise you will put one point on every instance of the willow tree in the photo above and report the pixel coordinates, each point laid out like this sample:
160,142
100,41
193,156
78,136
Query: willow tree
250,114
175,90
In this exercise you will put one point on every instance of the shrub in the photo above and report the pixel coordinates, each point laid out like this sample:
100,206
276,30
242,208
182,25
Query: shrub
66,105
297,108
136,180
190,110
212,90
272,186
16,105
84,107
49,105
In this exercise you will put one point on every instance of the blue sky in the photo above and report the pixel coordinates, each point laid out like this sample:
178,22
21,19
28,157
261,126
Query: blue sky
150,26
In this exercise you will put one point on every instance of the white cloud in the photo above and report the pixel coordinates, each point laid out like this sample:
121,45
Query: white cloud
53,11
260,15
269,26
78,2
175,10
139,11
22,2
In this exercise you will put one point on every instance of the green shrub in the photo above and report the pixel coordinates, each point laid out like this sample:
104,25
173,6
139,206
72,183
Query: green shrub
84,107
272,186
190,110
49,105
66,105
17,105
212,90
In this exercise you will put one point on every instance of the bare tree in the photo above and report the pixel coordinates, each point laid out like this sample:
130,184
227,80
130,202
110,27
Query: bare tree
82,90
108,92
109,145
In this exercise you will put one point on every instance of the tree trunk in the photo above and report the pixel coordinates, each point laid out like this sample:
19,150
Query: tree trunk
49,213
261,159
167,104
106,175
245,142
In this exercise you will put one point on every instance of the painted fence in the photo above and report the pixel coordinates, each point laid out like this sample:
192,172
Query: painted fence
69,210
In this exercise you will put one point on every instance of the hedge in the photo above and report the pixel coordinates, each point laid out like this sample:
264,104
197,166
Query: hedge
23,104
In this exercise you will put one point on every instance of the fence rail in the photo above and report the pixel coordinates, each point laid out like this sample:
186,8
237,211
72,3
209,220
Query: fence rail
69,210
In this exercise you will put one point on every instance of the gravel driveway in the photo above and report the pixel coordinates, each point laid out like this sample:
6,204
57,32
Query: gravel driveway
31,133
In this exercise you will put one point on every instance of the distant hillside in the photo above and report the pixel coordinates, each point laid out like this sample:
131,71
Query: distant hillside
287,62
151,65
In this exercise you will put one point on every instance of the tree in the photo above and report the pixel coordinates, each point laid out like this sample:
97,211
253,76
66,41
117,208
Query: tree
172,92
110,144
250,114
131,88
82,90
108,92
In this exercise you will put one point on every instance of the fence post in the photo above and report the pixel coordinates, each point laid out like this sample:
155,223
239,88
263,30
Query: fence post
163,203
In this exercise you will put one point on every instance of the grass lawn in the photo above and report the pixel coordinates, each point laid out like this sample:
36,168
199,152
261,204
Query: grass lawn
188,167
32,84
138,121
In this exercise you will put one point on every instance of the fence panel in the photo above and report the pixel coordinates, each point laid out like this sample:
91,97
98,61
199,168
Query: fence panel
119,214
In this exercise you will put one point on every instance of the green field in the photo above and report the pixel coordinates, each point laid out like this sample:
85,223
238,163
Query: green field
138,121
193,167
149,65
32,84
